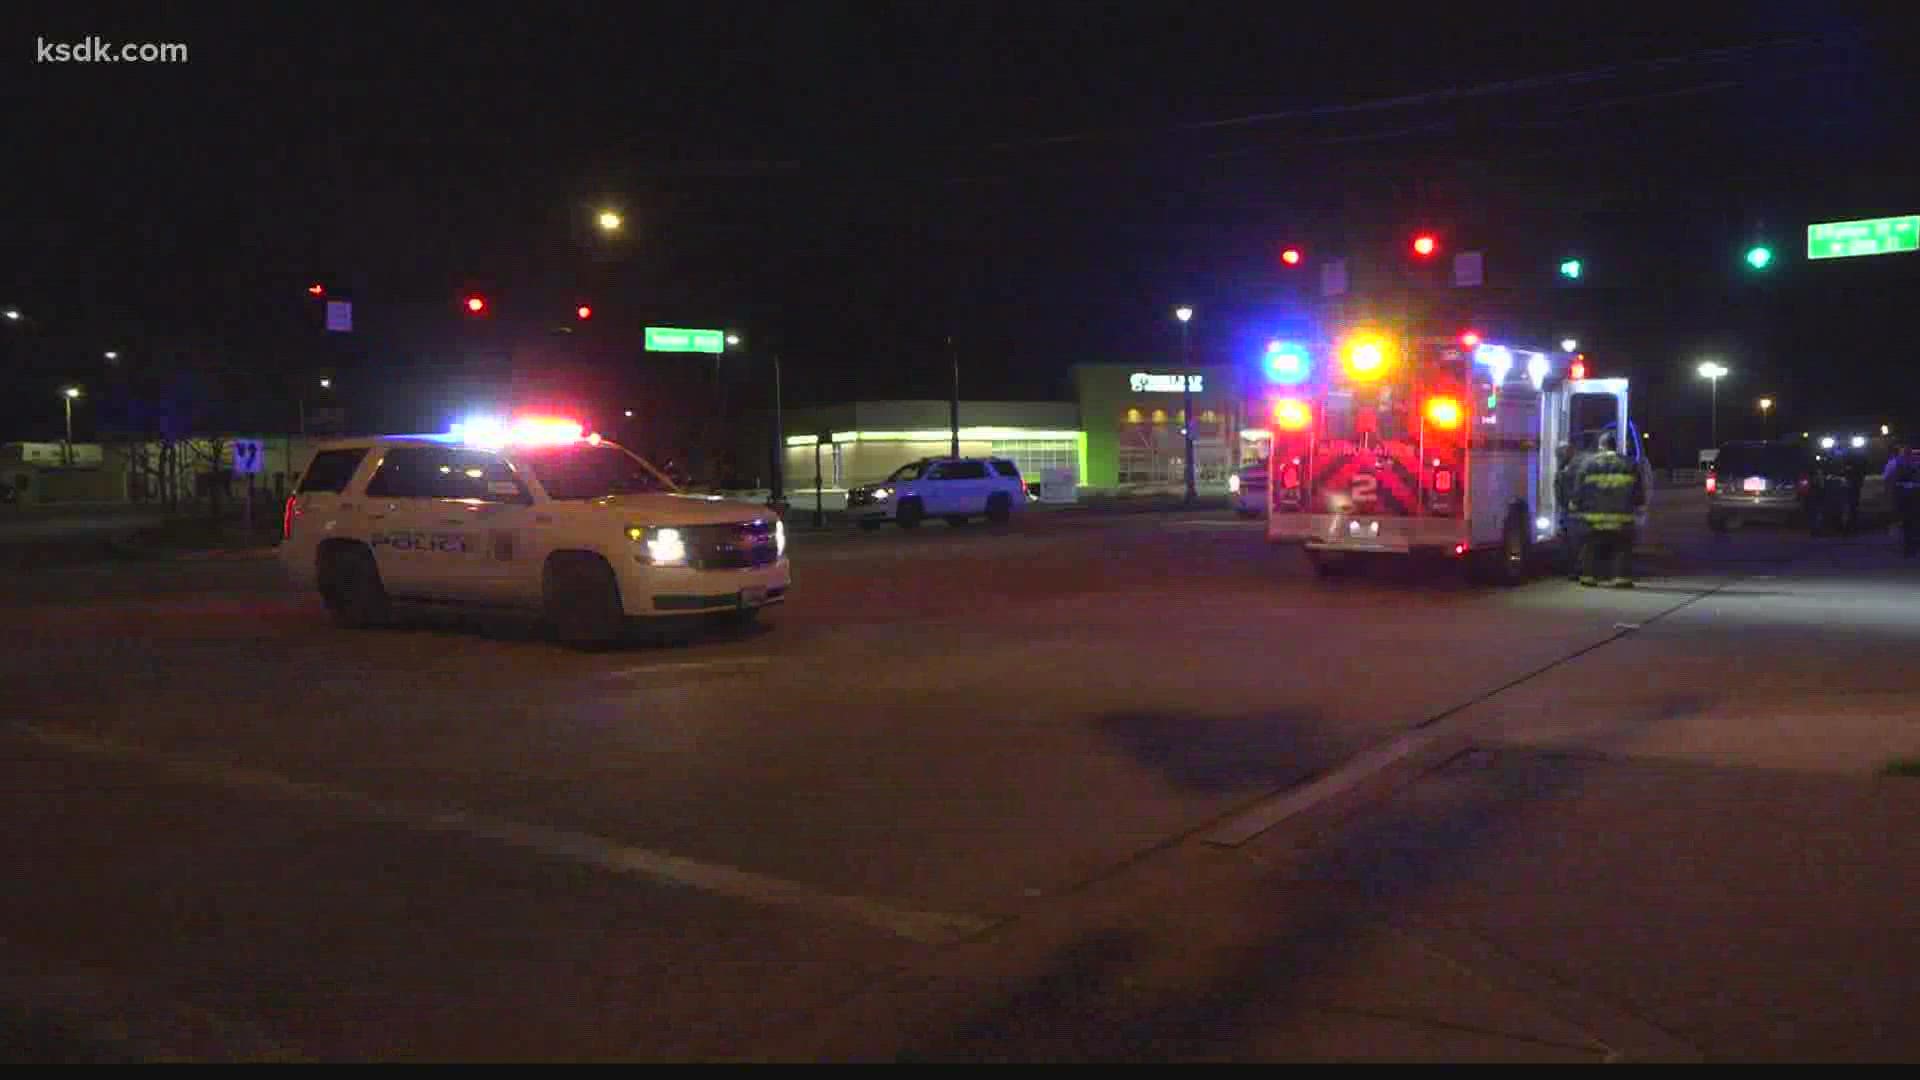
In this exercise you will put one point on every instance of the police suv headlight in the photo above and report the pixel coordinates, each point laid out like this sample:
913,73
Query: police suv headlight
882,494
1233,483
659,546
779,538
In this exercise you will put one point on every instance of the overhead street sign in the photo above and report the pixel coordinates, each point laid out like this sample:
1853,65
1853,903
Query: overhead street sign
1872,236
674,339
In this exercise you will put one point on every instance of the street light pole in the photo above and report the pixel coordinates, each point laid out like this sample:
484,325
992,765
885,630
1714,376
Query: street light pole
67,450
953,402
1712,372
777,496
1185,315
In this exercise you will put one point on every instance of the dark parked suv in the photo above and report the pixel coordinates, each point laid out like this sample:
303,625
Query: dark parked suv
1759,481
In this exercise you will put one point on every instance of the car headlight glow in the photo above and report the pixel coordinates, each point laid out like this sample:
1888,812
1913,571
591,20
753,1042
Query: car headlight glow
1233,483
883,493
664,547
779,538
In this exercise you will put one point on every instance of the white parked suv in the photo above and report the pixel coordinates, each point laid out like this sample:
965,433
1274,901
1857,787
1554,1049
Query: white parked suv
577,529
952,488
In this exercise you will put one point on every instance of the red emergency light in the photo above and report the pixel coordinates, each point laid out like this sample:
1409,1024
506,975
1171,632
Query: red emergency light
476,304
1470,339
1292,414
583,312
1290,256
316,289
1443,413
1578,370
1425,244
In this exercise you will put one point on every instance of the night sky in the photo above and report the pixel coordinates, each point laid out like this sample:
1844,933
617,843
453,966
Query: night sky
851,183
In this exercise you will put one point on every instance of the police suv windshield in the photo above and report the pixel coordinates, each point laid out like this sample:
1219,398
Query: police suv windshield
585,471
909,471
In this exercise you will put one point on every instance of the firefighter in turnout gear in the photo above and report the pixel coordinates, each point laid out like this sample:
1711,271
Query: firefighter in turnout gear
1566,466
1607,489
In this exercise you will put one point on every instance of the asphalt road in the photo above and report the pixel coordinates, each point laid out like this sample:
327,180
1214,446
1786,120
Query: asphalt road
260,835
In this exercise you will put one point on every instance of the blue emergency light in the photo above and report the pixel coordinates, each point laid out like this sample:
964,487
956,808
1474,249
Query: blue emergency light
1287,363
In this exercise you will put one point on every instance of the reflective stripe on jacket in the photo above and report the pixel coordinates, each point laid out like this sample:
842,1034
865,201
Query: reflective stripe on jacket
1606,490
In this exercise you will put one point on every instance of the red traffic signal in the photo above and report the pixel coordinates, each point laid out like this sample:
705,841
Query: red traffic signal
1425,244
316,289
583,312
1290,256
476,304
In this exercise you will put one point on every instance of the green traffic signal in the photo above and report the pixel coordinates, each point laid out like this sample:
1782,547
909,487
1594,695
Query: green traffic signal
1570,269
1759,257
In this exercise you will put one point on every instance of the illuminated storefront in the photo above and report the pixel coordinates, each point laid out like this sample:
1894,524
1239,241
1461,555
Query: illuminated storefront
864,441
1133,418
1123,432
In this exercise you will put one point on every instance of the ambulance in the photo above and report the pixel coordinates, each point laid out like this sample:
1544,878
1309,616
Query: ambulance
1443,447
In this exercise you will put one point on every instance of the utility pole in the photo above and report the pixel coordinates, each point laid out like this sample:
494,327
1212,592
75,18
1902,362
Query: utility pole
778,494
953,404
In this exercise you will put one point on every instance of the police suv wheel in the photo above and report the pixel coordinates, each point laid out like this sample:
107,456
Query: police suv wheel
583,601
910,514
351,588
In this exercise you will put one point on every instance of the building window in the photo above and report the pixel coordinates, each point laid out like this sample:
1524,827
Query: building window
1035,456
1133,416
1159,416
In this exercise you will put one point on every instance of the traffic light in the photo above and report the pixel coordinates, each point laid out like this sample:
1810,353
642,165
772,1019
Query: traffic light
1291,256
1570,269
1425,244
1759,256
316,289
475,304
583,312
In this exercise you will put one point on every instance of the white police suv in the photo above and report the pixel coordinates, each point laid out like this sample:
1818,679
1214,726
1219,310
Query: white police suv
532,516
955,489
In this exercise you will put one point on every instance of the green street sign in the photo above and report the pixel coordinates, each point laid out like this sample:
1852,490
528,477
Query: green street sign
674,339
1873,236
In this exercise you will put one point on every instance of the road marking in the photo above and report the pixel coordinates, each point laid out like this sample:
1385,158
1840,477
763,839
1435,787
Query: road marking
927,927
687,665
1232,526
1245,826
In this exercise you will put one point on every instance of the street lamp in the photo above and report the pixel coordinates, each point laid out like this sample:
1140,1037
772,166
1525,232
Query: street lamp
1713,373
69,396
610,221
1568,345
325,384
111,354
12,314
1185,315
1766,412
